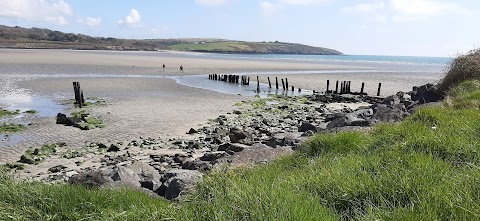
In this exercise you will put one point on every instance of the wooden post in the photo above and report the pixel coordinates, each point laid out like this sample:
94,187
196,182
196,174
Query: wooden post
269,84
236,79
283,84
248,81
349,83
328,85
258,85
286,83
379,86
293,89
276,82
299,90
363,86
336,88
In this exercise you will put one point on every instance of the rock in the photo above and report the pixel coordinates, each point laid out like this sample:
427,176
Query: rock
63,119
238,136
113,148
192,131
178,182
386,113
306,126
348,120
426,93
125,175
149,176
236,147
197,165
101,145
212,156
223,147
26,159
237,112
91,178
57,169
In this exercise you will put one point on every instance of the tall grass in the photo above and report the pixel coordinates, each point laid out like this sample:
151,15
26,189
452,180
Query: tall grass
462,68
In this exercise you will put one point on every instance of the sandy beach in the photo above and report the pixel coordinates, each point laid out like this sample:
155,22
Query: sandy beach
142,101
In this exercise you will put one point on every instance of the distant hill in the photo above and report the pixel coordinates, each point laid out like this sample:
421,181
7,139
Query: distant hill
18,37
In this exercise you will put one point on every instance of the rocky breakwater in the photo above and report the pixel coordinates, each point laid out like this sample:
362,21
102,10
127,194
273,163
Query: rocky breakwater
257,131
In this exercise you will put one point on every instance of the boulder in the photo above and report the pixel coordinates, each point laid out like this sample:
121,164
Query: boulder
113,148
149,176
192,131
238,136
125,175
386,113
176,182
348,120
427,93
212,156
197,165
306,126
236,147
94,178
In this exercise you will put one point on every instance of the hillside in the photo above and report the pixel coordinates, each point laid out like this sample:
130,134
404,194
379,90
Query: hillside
18,37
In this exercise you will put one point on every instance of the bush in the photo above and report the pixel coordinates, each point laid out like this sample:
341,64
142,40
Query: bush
465,67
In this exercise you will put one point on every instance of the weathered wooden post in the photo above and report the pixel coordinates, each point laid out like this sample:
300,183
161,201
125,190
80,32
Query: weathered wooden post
248,81
349,89
236,79
276,82
293,89
379,86
299,90
328,85
78,94
363,86
286,83
269,84
258,85
336,88
341,87
283,84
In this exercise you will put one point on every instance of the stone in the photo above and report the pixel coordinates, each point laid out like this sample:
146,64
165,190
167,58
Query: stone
56,169
237,112
26,159
212,156
385,113
348,120
192,131
177,182
95,178
149,176
306,126
197,165
236,147
125,175
113,148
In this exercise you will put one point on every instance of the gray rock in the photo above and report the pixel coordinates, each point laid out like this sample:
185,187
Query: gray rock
306,126
177,182
386,113
113,148
57,169
212,156
197,165
348,120
95,178
192,131
236,147
125,175
149,176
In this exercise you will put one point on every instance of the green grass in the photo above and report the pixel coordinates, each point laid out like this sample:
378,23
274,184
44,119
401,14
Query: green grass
4,113
36,201
31,111
11,128
424,168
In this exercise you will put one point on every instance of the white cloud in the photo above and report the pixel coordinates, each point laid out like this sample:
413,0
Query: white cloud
268,8
211,2
304,2
89,21
412,10
53,11
365,7
132,19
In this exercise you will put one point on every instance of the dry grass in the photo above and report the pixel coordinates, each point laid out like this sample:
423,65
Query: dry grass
462,68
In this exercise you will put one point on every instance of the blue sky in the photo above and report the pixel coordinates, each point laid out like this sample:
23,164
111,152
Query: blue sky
382,27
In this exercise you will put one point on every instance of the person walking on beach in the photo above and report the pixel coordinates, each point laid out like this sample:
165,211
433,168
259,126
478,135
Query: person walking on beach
163,67
181,68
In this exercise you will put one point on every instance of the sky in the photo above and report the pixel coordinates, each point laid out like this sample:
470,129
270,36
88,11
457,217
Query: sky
443,28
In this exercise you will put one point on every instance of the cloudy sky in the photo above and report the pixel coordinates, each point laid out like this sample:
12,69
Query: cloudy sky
381,27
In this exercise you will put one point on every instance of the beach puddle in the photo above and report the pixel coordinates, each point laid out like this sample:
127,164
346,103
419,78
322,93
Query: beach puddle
8,140
202,81
24,102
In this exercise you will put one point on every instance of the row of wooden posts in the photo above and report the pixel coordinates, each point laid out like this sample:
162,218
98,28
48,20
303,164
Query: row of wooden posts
345,86
79,100
246,81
